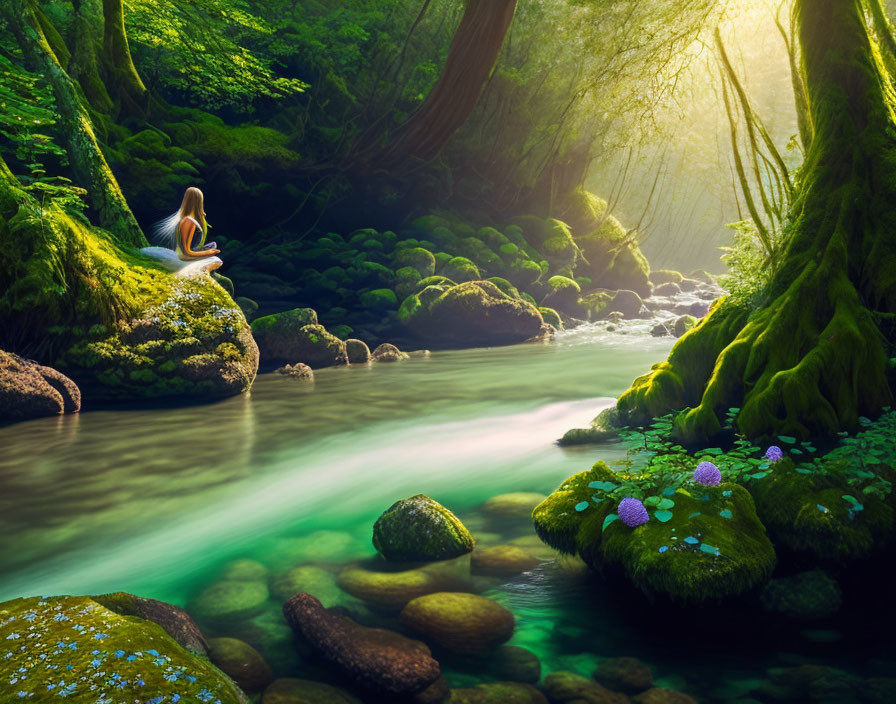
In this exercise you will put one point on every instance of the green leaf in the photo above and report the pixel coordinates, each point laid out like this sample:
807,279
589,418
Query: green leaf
665,504
663,516
608,520
787,438
651,501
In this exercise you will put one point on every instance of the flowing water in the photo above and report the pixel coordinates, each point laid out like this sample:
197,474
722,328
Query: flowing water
158,501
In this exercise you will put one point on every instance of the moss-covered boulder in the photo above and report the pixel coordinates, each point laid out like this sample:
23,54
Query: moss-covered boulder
624,674
298,371
417,258
75,648
603,428
387,352
30,390
228,601
295,336
458,621
551,317
471,313
614,260
582,210
379,299
818,514
389,586
460,269
553,239
563,295
420,529
562,687
700,543
502,560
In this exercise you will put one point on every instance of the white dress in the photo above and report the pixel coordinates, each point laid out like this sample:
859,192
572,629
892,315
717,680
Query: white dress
182,264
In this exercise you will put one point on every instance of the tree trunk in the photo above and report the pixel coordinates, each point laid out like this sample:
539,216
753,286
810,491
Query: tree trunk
812,359
126,81
471,58
84,67
87,161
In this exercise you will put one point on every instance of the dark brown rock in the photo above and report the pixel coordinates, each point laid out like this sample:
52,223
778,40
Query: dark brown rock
358,352
30,390
294,691
624,674
173,619
498,693
296,371
375,659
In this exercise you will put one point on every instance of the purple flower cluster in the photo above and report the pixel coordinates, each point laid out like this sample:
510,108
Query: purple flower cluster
707,474
774,454
632,513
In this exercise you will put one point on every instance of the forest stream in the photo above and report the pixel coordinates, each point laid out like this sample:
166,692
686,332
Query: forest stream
165,502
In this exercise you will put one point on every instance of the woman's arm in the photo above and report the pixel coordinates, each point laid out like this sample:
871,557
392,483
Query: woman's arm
187,228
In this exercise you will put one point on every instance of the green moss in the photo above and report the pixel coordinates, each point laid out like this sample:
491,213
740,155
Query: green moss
552,239
561,283
614,261
460,269
475,312
665,276
379,299
725,556
418,258
582,210
551,317
807,513
63,635
420,529
505,286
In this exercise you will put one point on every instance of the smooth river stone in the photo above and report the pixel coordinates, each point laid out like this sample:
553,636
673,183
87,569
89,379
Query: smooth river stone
503,560
241,662
230,600
295,691
459,622
517,505
375,659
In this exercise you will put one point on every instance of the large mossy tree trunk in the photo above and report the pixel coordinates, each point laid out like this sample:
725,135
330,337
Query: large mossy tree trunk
812,359
89,166
472,55
127,83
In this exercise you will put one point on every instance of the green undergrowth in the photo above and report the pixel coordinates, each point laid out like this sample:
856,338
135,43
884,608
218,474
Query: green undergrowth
830,506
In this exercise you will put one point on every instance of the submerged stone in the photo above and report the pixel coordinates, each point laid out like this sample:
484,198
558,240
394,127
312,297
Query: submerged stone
420,529
229,600
458,621
498,693
375,659
383,586
804,596
562,687
295,691
516,505
30,390
624,674
241,662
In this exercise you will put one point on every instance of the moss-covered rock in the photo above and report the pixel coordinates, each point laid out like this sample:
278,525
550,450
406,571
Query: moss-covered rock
808,513
552,239
603,428
75,648
562,687
582,210
505,286
614,261
29,390
389,586
299,371
460,269
380,299
804,596
502,560
551,317
475,312
624,674
458,621
684,324
294,336
420,529
710,544
417,258
229,601
514,506
563,295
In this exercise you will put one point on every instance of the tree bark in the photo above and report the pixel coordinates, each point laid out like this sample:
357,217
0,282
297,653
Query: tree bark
87,161
127,82
471,58
84,67
812,359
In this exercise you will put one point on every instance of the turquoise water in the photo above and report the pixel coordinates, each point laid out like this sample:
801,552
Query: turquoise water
150,500
159,501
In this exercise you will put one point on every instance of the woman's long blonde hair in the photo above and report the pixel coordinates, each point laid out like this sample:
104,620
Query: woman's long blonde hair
193,205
